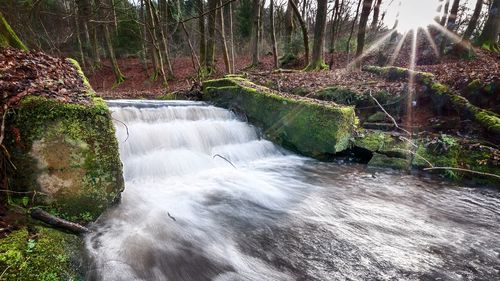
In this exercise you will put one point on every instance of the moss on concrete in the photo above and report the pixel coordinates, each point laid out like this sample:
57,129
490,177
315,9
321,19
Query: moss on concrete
383,143
8,37
70,153
42,254
304,125
383,161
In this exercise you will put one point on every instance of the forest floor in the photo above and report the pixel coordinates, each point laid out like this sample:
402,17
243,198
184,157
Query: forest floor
454,71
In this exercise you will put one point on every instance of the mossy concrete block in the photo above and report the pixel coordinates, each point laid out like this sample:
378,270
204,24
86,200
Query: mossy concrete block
69,153
40,254
383,161
304,125
383,143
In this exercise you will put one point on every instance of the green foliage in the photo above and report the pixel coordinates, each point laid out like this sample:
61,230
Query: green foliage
128,39
45,255
244,18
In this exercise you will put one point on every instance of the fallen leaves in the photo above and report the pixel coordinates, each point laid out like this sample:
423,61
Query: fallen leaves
36,73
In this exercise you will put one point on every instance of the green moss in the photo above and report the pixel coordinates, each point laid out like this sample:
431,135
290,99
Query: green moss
487,119
79,70
442,151
475,85
383,143
72,151
378,116
399,73
304,125
8,37
316,66
301,91
340,95
43,255
384,161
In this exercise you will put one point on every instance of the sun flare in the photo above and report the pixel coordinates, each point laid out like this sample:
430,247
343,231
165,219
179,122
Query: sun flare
415,14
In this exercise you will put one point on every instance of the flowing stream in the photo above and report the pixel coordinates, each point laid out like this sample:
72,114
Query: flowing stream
206,198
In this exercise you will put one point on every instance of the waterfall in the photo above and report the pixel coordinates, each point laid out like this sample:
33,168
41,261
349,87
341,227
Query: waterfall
207,198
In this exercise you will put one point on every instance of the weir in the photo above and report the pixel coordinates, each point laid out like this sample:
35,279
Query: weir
188,214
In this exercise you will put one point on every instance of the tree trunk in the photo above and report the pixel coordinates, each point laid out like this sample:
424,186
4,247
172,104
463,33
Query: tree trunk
119,78
348,47
225,53
317,60
201,29
445,13
233,68
255,32
376,12
303,27
162,38
365,12
473,20
8,38
157,58
144,37
289,28
450,25
335,20
78,37
273,34
489,36
210,49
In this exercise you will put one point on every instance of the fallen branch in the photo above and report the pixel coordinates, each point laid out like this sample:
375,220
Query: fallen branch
388,115
463,170
52,220
224,159
126,127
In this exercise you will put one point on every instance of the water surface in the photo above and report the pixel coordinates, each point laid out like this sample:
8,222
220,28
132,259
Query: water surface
207,199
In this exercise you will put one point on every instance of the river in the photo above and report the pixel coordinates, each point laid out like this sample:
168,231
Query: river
206,198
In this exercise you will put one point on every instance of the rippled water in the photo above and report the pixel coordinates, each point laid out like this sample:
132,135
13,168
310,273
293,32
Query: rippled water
188,214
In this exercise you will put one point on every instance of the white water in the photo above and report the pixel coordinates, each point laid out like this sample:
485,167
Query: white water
187,215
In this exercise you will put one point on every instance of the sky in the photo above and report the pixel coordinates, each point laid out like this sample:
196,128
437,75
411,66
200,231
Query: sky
414,13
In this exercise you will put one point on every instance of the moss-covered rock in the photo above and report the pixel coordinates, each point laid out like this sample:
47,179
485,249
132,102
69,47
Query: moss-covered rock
383,161
41,254
383,143
69,153
304,125
442,95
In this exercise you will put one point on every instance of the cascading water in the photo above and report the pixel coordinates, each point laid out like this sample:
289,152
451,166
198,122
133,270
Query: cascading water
207,199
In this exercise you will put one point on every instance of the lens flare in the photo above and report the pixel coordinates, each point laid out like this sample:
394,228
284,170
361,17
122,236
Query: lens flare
414,14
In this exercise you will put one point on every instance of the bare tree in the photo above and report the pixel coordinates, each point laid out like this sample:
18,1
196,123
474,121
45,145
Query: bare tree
365,12
303,27
273,34
225,53
489,36
255,32
317,60
473,20
376,12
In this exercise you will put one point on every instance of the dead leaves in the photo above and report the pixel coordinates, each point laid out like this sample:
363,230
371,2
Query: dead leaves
35,73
